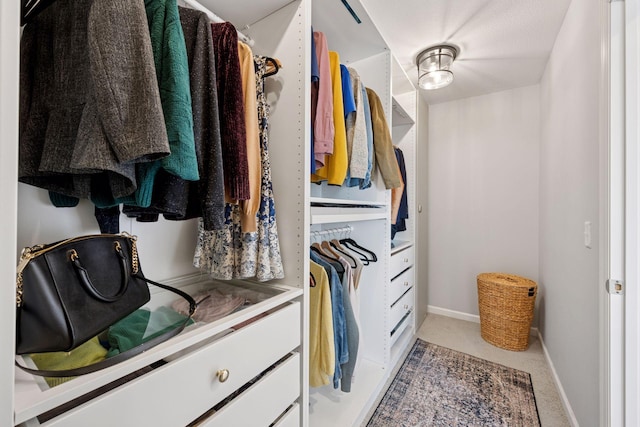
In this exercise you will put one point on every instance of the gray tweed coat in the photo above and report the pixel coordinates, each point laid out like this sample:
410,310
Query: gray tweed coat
89,101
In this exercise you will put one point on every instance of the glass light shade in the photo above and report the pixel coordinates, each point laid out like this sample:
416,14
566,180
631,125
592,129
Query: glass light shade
433,66
435,79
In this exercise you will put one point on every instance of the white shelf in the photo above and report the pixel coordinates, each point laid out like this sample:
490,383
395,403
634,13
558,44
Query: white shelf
330,407
399,245
336,215
399,115
346,210
345,202
402,338
401,83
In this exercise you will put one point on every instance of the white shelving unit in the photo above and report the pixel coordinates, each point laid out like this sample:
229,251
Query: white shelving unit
280,29
166,248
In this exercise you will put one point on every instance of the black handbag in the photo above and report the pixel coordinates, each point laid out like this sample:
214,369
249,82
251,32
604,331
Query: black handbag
70,291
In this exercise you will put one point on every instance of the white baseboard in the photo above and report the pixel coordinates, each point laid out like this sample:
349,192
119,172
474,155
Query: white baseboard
454,314
464,316
563,396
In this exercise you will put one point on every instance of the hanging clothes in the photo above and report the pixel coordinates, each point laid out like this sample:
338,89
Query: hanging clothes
354,293
324,127
371,152
383,145
352,327
403,209
338,314
172,73
231,109
349,109
357,134
315,83
321,336
176,198
90,106
230,253
396,198
247,69
335,169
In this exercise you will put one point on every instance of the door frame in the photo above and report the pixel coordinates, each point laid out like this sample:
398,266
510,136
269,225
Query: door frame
632,215
620,213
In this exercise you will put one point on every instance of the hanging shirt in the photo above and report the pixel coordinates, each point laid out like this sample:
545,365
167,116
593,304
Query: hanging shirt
231,106
403,210
353,330
396,196
321,337
349,107
382,143
371,154
315,81
357,133
335,169
250,206
324,129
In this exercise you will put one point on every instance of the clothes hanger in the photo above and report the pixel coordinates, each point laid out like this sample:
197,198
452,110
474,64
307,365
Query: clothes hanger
335,244
273,66
317,248
312,280
29,9
363,257
326,246
333,261
349,242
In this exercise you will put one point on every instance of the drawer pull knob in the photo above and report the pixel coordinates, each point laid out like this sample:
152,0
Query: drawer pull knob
406,306
406,283
406,260
223,375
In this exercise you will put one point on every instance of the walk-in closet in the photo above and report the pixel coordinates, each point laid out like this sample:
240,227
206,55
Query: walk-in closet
507,179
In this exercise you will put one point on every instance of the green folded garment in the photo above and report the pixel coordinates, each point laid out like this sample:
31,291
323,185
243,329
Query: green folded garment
86,354
141,326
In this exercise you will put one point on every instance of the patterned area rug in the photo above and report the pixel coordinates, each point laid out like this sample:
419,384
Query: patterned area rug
437,386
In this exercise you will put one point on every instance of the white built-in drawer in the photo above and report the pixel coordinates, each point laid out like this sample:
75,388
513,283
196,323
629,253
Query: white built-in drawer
262,403
178,392
291,418
401,260
400,308
400,284
399,329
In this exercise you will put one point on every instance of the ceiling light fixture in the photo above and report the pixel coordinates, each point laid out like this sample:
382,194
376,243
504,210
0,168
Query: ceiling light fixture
433,66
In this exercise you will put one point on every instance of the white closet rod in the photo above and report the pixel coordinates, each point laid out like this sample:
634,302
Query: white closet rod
346,230
215,18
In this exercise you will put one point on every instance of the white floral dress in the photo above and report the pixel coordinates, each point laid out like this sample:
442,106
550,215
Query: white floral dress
229,253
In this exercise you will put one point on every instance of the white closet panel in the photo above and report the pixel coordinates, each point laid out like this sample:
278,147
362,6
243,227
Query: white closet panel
285,35
166,247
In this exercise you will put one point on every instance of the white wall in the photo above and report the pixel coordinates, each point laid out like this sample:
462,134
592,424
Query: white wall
483,193
568,197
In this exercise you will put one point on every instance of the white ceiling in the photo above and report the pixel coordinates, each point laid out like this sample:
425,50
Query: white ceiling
503,44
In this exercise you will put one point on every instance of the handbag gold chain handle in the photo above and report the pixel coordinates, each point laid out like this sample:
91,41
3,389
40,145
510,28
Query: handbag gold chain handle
29,253
134,254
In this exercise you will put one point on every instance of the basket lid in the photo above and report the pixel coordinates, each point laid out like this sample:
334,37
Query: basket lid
507,279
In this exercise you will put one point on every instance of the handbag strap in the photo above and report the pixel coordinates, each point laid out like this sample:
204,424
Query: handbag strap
111,361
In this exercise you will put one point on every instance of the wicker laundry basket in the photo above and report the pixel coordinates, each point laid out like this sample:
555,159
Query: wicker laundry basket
506,306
